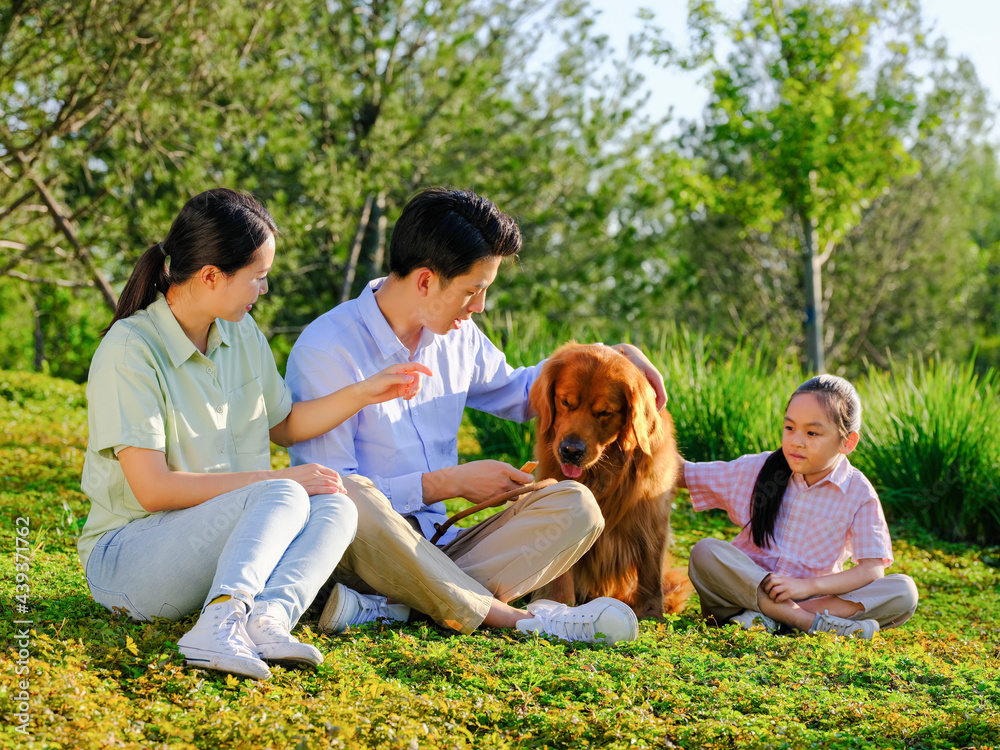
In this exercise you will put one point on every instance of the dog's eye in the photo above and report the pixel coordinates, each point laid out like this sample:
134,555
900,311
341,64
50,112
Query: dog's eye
564,402
603,414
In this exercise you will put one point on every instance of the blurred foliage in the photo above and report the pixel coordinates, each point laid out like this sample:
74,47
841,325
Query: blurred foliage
113,114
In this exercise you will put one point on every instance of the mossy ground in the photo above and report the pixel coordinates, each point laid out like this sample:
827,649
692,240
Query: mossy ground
99,681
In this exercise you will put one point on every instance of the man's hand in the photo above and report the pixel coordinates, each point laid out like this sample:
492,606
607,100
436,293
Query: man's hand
635,355
782,588
475,481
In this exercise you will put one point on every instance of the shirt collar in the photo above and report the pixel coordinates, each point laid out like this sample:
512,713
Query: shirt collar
840,476
179,347
373,319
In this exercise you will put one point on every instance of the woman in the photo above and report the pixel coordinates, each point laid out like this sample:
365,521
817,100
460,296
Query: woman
184,396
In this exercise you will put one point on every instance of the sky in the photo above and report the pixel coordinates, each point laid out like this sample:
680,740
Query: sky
972,28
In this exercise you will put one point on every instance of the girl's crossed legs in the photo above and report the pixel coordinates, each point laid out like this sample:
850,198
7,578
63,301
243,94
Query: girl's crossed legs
728,582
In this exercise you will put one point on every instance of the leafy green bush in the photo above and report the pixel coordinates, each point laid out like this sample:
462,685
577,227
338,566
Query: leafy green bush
933,448
724,406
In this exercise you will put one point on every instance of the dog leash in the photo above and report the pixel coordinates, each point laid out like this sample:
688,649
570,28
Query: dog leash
499,499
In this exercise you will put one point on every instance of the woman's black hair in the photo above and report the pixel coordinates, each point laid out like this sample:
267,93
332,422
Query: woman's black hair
220,227
843,406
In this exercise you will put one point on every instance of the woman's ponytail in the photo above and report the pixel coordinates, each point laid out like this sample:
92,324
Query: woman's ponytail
149,278
220,227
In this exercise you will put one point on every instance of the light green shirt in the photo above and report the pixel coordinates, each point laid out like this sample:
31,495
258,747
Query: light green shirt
150,387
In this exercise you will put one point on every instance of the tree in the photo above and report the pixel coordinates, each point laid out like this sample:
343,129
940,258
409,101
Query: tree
811,130
97,99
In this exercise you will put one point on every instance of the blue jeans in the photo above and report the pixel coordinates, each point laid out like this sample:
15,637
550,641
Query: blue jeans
270,540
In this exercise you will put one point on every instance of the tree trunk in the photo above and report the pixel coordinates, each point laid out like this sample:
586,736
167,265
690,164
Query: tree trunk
352,261
813,282
373,249
63,225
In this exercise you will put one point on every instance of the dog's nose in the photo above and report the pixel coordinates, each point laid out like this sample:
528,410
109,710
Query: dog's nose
571,450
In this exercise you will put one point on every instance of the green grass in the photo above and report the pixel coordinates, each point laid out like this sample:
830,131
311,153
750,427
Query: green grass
97,681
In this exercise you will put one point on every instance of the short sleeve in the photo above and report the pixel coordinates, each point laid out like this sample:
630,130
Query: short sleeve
869,533
724,484
126,407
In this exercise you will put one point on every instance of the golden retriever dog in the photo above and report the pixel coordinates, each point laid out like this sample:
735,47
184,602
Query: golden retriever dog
597,423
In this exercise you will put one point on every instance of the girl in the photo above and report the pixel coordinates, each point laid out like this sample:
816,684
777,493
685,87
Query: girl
804,511
183,398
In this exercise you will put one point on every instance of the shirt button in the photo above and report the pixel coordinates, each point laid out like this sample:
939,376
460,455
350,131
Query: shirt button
222,449
218,409
210,370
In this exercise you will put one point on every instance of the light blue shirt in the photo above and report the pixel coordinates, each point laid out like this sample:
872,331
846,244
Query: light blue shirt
394,443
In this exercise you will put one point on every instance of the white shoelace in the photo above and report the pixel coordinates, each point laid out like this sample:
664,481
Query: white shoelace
230,634
836,625
372,608
564,622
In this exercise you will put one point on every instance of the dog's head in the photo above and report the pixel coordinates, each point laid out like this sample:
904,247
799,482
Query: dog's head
587,399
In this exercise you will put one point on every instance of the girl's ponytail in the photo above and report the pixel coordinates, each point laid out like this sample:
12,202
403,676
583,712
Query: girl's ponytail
149,277
768,493
843,406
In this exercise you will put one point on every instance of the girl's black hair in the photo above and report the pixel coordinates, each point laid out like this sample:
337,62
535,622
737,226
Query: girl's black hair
220,227
843,406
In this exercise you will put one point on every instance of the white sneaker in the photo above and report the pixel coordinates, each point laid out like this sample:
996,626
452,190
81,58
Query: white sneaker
841,626
748,620
603,620
347,607
267,627
219,641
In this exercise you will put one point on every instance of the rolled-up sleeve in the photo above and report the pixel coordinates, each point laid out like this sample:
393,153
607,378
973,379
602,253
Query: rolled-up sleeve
869,533
126,408
724,484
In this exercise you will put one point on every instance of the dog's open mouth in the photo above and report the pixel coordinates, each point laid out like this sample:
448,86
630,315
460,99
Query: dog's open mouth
571,471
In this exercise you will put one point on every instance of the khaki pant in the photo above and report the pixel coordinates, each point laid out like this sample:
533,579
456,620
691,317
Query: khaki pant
510,554
727,580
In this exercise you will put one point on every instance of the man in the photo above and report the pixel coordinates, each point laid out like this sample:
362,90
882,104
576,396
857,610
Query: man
445,251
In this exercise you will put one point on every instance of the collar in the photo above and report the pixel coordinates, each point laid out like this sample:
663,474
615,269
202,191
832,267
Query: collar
373,319
840,476
179,347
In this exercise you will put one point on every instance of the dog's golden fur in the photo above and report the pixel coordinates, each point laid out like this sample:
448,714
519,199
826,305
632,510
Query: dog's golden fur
597,423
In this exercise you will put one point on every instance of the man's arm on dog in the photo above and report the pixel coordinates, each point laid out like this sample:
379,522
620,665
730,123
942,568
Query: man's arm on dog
640,360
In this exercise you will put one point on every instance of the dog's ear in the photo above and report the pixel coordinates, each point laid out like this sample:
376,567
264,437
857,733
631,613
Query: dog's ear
643,423
543,393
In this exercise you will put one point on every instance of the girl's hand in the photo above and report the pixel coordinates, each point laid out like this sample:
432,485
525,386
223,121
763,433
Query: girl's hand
783,588
317,479
395,381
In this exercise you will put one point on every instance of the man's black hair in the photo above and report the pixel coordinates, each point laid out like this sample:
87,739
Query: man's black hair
449,231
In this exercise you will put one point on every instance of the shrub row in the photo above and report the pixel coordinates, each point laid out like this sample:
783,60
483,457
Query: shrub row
930,440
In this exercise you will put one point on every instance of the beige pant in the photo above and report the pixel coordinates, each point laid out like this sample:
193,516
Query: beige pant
510,554
727,580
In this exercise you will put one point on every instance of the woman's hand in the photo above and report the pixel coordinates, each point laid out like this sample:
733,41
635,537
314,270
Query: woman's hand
782,588
395,381
317,479
640,360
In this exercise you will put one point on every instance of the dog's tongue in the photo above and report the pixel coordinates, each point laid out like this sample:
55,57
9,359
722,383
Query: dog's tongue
571,471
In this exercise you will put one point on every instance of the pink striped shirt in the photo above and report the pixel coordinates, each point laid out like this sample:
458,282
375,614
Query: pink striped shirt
818,527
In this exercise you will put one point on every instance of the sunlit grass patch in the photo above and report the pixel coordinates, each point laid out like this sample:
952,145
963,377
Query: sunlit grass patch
97,680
